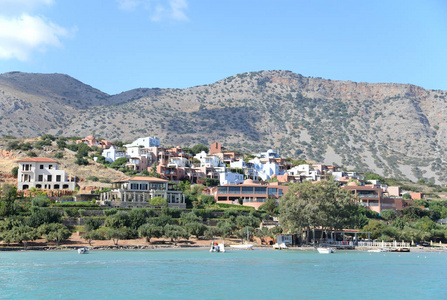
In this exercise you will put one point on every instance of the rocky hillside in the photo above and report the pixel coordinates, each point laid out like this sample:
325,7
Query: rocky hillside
391,129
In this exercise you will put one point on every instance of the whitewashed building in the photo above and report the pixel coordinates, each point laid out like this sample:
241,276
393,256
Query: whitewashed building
230,178
42,173
145,142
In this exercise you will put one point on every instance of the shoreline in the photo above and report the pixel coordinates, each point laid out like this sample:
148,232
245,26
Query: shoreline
189,247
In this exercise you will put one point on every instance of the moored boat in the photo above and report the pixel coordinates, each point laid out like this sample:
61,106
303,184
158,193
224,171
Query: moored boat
325,250
83,250
215,247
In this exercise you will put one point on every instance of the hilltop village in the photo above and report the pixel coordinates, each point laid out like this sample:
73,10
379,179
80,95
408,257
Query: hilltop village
207,188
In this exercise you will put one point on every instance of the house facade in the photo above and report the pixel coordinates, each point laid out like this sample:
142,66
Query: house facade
251,193
138,191
42,173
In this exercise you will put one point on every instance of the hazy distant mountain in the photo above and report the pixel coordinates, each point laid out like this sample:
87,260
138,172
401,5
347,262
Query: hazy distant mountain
391,129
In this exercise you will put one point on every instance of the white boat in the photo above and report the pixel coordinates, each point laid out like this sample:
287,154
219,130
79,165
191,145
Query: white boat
246,246
243,246
379,250
215,247
325,250
280,246
83,250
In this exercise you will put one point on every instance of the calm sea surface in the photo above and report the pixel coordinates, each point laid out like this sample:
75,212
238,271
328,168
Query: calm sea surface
193,274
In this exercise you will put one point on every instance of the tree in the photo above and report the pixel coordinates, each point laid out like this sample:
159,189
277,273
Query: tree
269,205
157,201
316,205
137,217
195,228
91,224
388,214
19,234
15,171
54,232
150,231
9,193
226,229
117,234
174,232
42,215
92,236
375,227
199,148
212,232
117,220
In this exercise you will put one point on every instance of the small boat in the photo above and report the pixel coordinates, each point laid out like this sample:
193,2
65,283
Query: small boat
246,246
215,247
83,250
243,246
280,246
379,250
325,250
403,249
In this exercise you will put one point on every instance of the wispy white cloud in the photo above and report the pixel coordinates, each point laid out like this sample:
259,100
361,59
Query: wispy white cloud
22,33
159,10
128,4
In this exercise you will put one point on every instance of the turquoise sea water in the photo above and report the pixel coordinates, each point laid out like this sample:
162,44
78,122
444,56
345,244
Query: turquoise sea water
193,274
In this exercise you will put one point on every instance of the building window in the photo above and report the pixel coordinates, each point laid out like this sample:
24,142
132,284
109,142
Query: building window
272,192
222,190
143,186
234,190
41,167
134,186
247,190
49,178
260,190
58,178
280,193
40,178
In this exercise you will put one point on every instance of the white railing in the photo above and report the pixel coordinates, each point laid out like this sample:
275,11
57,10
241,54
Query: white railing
383,244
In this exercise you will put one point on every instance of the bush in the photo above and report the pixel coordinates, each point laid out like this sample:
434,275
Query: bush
15,171
32,154
109,212
92,224
92,178
81,161
105,180
59,155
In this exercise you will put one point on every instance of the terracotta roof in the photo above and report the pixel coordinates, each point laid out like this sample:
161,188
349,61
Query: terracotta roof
38,159
142,178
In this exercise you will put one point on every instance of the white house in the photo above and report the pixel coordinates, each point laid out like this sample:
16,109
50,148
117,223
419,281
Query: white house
269,154
230,178
144,142
42,173
113,154
265,170
305,171
208,160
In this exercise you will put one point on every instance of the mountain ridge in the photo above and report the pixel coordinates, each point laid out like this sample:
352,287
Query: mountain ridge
391,129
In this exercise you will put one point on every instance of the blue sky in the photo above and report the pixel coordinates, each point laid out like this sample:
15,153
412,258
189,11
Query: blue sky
118,45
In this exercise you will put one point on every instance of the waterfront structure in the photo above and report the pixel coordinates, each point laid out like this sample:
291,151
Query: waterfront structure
251,193
138,191
42,173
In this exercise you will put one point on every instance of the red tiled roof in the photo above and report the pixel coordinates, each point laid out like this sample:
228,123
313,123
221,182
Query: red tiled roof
142,178
38,159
